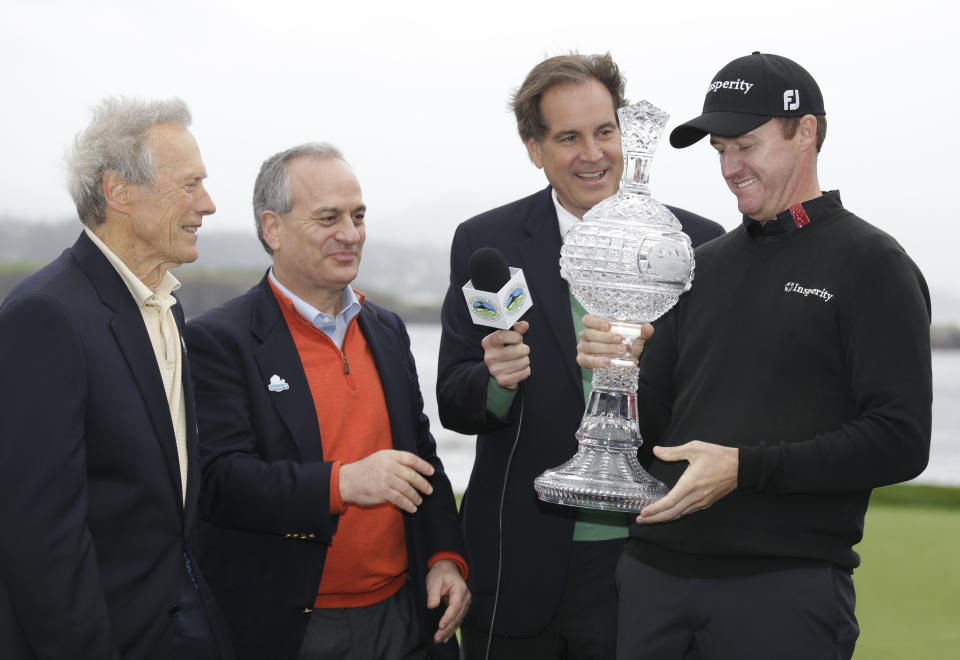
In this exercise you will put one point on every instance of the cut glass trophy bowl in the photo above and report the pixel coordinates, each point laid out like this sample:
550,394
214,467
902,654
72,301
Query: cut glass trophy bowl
627,261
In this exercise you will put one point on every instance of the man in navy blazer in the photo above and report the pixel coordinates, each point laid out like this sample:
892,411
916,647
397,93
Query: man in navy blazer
554,565
99,477
319,466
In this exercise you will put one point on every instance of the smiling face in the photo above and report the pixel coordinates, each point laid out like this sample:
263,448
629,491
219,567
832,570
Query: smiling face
766,171
580,153
164,215
317,244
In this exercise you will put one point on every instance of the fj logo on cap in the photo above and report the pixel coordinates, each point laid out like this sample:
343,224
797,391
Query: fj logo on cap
791,99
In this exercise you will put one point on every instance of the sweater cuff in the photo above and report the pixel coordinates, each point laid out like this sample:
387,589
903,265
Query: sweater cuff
337,505
455,558
499,398
750,468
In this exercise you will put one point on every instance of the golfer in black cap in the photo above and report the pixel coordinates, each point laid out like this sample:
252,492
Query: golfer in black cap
787,384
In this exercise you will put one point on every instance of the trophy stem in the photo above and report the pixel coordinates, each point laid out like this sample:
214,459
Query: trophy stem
605,473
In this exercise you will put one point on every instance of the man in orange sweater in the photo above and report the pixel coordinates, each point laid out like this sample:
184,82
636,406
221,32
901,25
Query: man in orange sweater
328,522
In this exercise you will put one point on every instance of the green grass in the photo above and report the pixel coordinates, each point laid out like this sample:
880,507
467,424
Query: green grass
908,586
940,497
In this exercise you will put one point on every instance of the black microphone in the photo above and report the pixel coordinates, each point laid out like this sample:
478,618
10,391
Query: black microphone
488,269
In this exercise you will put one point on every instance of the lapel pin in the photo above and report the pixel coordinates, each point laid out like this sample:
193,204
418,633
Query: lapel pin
277,384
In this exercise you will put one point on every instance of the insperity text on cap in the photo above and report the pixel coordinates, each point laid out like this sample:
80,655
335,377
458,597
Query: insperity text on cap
747,93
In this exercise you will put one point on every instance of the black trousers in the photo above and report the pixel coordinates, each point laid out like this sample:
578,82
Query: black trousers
796,614
388,630
584,626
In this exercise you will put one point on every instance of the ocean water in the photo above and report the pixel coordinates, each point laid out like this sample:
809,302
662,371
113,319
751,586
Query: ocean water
456,451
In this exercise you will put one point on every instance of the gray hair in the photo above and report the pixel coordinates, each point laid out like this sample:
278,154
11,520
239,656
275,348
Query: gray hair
115,141
272,191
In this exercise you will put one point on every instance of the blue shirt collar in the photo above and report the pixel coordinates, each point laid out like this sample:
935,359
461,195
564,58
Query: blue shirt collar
335,327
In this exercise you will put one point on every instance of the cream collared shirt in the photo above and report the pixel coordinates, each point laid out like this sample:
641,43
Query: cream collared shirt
155,306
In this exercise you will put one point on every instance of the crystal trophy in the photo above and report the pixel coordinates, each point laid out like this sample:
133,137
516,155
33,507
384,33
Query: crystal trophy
627,261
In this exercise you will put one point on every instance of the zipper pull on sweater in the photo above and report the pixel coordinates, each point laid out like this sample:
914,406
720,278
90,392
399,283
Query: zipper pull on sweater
346,365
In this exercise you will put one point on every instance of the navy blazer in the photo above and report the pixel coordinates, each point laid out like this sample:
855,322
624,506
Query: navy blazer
91,510
265,503
536,536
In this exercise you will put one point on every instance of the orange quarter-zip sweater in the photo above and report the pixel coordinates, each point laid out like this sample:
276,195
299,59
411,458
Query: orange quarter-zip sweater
367,559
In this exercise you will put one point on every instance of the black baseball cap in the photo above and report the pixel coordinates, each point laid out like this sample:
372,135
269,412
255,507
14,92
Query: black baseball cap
747,93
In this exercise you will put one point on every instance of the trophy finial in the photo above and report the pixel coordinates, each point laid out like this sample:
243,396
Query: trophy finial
641,126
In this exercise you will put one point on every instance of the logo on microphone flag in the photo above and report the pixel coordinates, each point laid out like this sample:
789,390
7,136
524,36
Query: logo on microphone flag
482,308
499,309
516,298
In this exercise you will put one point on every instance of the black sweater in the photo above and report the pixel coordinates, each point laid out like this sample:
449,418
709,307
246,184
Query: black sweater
808,348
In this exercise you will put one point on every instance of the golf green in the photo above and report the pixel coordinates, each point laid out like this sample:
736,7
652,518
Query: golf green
908,585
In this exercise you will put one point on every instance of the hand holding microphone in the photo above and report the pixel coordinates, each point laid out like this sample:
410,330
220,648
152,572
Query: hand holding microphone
506,356
496,297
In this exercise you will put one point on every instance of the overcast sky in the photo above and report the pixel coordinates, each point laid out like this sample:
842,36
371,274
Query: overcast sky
415,95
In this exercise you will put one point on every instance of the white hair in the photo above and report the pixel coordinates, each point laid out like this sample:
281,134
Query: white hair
115,141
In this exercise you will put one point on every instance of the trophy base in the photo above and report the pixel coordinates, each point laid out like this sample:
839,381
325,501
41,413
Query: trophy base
601,478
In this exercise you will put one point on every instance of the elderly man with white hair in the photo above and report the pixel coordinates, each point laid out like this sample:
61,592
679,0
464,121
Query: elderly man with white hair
98,460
